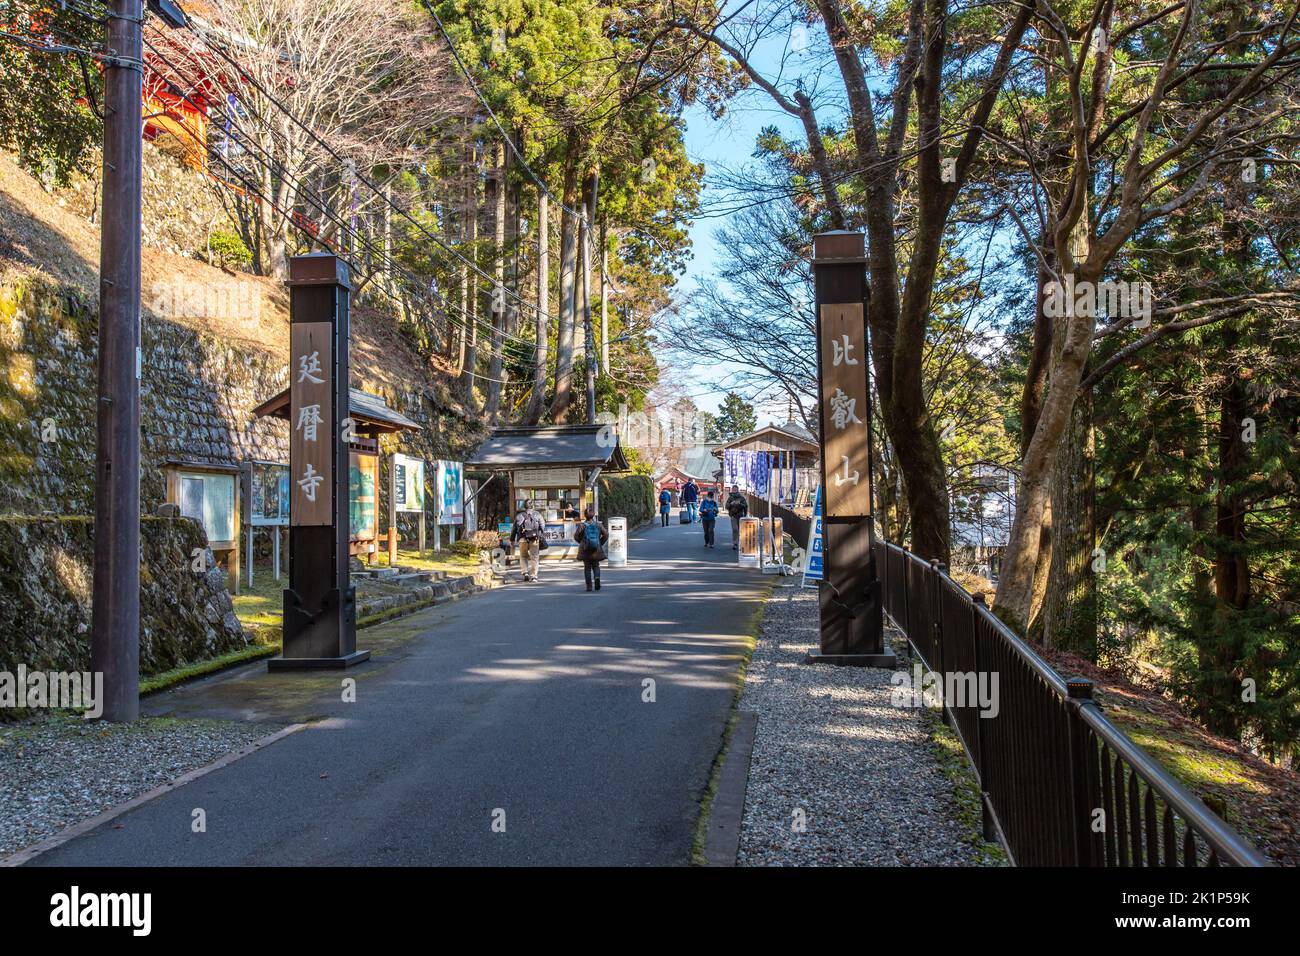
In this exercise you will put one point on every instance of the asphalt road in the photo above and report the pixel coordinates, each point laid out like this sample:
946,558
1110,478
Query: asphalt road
523,704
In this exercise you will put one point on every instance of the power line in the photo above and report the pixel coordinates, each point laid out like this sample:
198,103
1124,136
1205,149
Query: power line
216,48
376,254
416,286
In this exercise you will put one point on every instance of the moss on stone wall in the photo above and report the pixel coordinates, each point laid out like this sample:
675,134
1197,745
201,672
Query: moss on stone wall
46,580
196,397
181,206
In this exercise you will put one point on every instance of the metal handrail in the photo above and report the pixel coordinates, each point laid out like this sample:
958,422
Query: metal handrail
1081,763
1221,838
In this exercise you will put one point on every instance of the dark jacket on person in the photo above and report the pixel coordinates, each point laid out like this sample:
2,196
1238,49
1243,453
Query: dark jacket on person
708,510
665,500
690,492
580,536
737,506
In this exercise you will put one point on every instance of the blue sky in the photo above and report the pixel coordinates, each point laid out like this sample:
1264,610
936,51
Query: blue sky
729,142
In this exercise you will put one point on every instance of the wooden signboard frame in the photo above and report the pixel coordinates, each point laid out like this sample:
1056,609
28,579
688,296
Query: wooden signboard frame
225,551
405,462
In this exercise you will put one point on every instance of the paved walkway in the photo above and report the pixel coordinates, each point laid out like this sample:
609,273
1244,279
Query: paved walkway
526,700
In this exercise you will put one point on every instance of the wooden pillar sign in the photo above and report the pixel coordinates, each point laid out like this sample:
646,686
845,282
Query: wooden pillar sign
844,398
852,631
320,603
311,419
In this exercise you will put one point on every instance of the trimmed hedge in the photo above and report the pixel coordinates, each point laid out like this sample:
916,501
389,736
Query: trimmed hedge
632,497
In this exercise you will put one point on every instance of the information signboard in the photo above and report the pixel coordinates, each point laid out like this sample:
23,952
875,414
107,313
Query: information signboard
751,542
560,533
844,414
267,490
450,492
363,495
548,477
408,483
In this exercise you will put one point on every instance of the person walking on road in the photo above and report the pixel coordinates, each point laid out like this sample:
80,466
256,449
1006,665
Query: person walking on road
665,506
591,536
529,529
737,507
690,495
708,518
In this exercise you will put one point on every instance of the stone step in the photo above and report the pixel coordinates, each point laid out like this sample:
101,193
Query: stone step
410,577
419,592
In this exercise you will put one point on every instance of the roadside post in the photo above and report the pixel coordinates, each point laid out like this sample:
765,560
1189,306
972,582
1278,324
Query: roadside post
852,626
617,542
320,602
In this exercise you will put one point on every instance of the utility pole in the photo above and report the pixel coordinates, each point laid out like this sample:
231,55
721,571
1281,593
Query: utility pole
115,637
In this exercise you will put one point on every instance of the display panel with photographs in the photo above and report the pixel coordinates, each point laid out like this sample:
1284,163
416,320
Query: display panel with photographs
267,491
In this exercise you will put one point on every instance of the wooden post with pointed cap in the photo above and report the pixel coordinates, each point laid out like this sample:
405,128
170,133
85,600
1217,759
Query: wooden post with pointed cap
320,623
852,631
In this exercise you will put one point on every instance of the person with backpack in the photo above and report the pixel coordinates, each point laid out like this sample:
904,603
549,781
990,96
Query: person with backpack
591,536
737,507
690,495
708,518
665,506
529,532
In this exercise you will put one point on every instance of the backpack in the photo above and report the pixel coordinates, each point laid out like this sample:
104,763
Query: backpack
665,497
529,526
591,535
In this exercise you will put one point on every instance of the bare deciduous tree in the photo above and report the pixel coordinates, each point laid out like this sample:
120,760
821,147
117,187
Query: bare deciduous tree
374,102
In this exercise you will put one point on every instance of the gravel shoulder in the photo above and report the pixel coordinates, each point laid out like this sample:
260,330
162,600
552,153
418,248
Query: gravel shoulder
57,770
839,775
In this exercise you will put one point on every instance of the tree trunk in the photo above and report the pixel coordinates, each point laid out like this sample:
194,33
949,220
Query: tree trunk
604,301
1220,648
1040,353
469,368
496,367
1015,597
1231,570
568,292
590,189
276,260
388,238
1070,603
1041,521
1200,471
462,323
538,397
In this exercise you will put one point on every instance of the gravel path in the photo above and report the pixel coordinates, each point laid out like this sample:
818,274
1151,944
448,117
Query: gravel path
57,770
831,751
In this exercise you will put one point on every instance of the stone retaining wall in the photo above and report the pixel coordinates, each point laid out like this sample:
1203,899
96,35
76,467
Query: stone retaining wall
46,577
